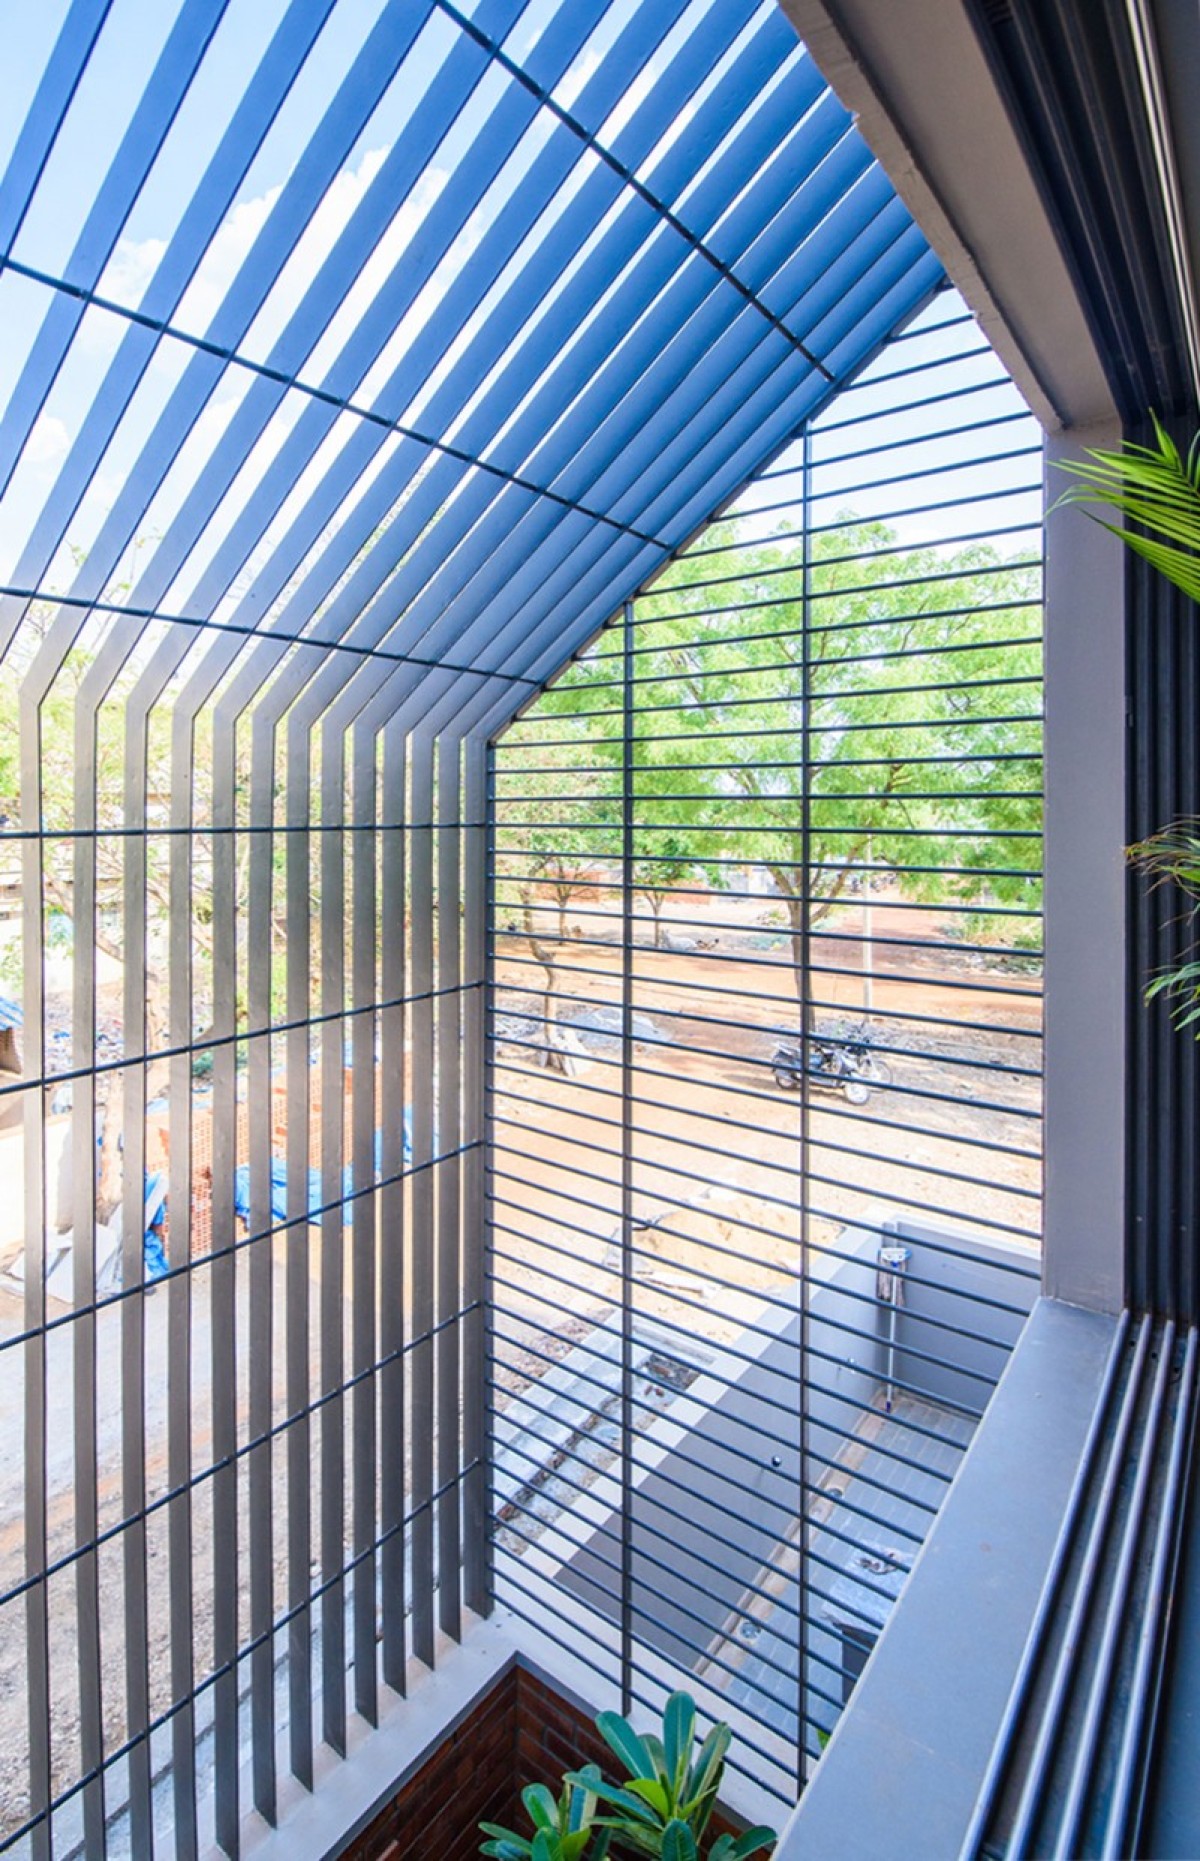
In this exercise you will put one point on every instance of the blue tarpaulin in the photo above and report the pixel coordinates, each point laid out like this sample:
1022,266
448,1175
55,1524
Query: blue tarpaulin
316,1196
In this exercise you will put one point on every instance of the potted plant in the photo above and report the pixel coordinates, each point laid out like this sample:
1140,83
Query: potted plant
661,1807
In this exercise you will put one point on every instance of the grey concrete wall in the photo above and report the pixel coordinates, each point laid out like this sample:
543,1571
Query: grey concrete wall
1085,897
953,1286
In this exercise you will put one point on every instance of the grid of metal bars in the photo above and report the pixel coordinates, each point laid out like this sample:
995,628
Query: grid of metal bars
358,360
791,791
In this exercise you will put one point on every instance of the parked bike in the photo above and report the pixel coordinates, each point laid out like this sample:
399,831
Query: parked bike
836,1063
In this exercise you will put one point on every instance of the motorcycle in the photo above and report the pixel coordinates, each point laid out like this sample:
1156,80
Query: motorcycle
836,1063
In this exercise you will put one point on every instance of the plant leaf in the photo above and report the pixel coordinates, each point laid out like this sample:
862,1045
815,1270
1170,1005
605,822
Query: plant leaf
583,1796
679,1733
621,1738
542,1807
658,1756
504,1844
706,1772
654,1792
621,1799
678,1842
752,1842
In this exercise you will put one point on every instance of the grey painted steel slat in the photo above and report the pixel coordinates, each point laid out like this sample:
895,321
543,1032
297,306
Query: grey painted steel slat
179,1316
148,128
298,1333
316,309
393,1291
1125,1796
415,572
44,119
352,599
362,844
135,1083
765,430
332,1374
421,906
1049,1722
37,1649
1096,1702
475,1131
260,945
83,1262
226,1561
274,245
449,1184
268,87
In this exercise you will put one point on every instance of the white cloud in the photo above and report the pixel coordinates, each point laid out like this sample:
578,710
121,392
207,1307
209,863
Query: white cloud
49,441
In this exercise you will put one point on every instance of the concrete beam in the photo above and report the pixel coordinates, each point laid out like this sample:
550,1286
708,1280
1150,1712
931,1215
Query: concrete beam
915,76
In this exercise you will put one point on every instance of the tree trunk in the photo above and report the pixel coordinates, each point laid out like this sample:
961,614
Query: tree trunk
553,1058
795,911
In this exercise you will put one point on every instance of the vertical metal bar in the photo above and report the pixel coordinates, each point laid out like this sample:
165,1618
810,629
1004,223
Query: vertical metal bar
260,1461
37,1636
333,963
804,1159
423,1140
393,1293
627,1255
449,1356
137,1024
363,922
179,1308
83,1260
297,1378
475,1339
223,1310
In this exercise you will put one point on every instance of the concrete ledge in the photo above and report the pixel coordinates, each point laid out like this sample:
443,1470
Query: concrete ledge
903,1769
350,1792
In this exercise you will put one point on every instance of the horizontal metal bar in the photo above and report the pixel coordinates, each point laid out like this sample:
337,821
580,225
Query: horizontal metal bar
877,1305
897,1091
230,1249
900,478
283,378
717,799
799,1274
890,411
754,1492
847,901
1021,418
522,770
263,1438
1032,490
816,564
859,1114
780,730
815,1488
700,1305
832,1465
942,1060
264,632
764,962
214,1042
908,1165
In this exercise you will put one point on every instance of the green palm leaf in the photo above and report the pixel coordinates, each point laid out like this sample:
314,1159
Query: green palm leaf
1154,487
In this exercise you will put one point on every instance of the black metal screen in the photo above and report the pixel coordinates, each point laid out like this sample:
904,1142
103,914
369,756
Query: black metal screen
765,1056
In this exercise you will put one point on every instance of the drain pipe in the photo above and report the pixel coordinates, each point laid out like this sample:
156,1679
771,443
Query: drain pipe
889,1289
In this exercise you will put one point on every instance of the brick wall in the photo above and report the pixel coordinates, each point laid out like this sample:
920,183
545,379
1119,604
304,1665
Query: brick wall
468,1779
522,1731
